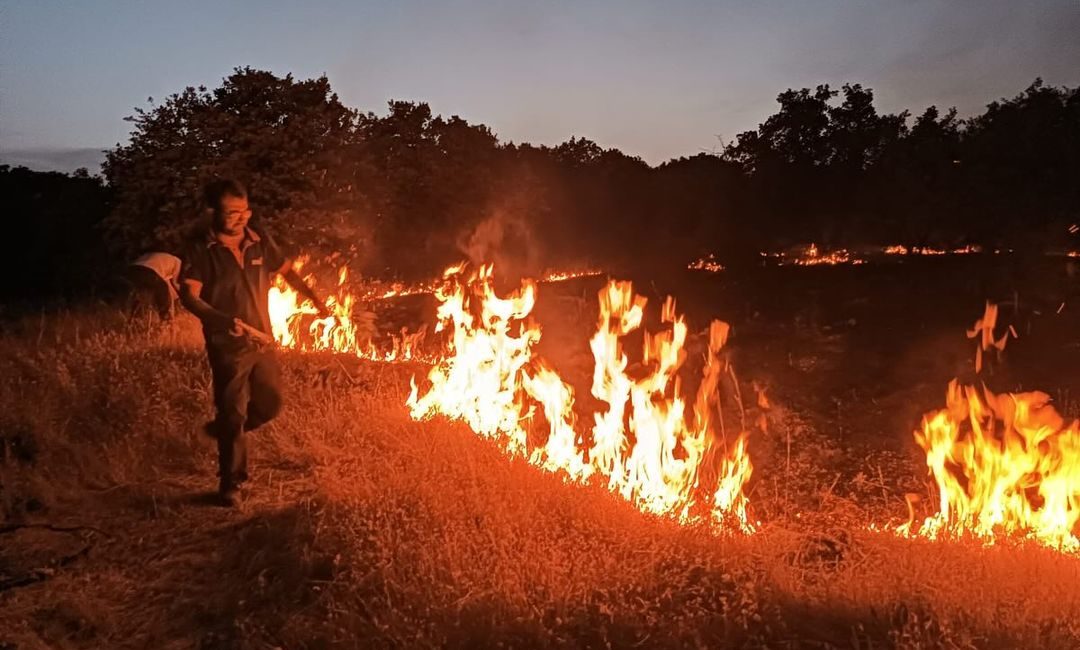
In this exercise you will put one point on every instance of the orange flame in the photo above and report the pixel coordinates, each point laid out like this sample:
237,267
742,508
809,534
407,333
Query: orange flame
1005,465
813,256
927,250
708,263
342,331
643,444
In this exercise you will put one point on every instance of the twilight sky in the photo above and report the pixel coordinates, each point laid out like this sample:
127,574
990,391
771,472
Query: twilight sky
655,79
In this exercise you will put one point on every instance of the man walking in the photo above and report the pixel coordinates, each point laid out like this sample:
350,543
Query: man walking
224,281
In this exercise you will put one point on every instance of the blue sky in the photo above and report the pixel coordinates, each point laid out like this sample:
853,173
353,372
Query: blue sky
655,79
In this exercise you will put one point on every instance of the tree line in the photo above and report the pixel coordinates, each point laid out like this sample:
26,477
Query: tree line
407,192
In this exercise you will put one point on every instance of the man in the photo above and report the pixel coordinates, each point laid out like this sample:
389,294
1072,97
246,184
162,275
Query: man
224,281
155,275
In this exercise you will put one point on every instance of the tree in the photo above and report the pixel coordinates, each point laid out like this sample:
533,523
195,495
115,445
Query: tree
430,179
292,142
54,249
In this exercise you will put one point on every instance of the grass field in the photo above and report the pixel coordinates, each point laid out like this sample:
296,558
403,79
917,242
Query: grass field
366,529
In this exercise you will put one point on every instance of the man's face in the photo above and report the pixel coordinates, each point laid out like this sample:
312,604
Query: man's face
233,214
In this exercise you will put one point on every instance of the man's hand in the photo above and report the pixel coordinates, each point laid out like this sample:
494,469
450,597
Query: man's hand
237,327
240,328
191,297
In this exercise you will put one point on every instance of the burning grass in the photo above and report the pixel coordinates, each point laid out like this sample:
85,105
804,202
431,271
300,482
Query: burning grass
643,444
366,528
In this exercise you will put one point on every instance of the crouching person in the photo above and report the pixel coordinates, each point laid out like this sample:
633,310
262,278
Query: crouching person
153,278
224,281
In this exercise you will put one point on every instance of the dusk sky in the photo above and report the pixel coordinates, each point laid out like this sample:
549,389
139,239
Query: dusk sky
655,79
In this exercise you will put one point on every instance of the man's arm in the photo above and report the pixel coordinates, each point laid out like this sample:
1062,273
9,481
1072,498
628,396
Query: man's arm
191,297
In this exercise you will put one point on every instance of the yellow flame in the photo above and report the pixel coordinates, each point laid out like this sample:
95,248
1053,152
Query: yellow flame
296,324
643,444
1005,465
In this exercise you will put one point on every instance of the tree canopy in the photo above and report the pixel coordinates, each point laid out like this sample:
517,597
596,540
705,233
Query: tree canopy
407,191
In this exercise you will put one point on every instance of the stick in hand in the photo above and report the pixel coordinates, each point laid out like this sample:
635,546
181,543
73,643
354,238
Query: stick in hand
240,328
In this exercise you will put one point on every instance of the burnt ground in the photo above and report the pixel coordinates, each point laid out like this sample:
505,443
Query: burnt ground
365,529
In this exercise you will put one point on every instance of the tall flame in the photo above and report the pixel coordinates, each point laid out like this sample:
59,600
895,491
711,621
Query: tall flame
1005,465
644,445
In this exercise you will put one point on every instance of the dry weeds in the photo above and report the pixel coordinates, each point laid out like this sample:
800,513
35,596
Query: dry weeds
364,529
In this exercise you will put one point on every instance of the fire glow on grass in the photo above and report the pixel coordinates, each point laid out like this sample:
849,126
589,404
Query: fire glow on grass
1005,465
644,444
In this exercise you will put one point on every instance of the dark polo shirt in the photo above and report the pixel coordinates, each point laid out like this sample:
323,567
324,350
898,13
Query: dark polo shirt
239,292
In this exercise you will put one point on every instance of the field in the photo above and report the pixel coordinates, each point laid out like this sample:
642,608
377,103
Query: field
366,529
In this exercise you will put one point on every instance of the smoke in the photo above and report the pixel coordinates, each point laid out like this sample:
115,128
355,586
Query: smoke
507,240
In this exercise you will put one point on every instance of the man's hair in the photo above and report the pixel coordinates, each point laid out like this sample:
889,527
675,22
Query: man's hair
219,188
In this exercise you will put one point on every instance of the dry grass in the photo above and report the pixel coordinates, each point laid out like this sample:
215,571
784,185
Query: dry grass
365,529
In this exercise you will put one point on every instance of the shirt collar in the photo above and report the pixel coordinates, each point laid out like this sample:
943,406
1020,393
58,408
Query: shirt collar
250,237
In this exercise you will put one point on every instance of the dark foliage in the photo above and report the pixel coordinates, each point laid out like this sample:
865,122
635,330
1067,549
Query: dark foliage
407,192
53,248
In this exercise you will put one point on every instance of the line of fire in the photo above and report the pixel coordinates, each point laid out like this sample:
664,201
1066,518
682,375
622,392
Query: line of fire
604,325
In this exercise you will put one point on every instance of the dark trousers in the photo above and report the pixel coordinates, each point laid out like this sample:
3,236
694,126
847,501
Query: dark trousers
247,395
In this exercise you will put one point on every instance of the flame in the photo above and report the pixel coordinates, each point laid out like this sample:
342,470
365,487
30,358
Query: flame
342,331
560,276
1005,465
707,263
813,256
984,331
927,250
643,444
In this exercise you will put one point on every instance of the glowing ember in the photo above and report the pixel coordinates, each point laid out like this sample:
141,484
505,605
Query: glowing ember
560,276
926,250
707,263
1005,465
644,444
813,256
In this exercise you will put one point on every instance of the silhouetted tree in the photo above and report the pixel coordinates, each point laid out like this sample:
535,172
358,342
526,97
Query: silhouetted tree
53,248
291,141
407,192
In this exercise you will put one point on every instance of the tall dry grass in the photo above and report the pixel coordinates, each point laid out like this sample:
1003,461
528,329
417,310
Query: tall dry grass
365,529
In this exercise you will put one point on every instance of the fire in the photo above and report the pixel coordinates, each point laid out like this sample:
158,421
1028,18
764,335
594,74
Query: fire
1005,465
984,331
342,331
295,323
813,256
708,263
927,250
644,444
560,276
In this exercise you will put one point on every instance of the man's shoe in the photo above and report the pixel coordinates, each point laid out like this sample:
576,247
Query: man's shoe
231,497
